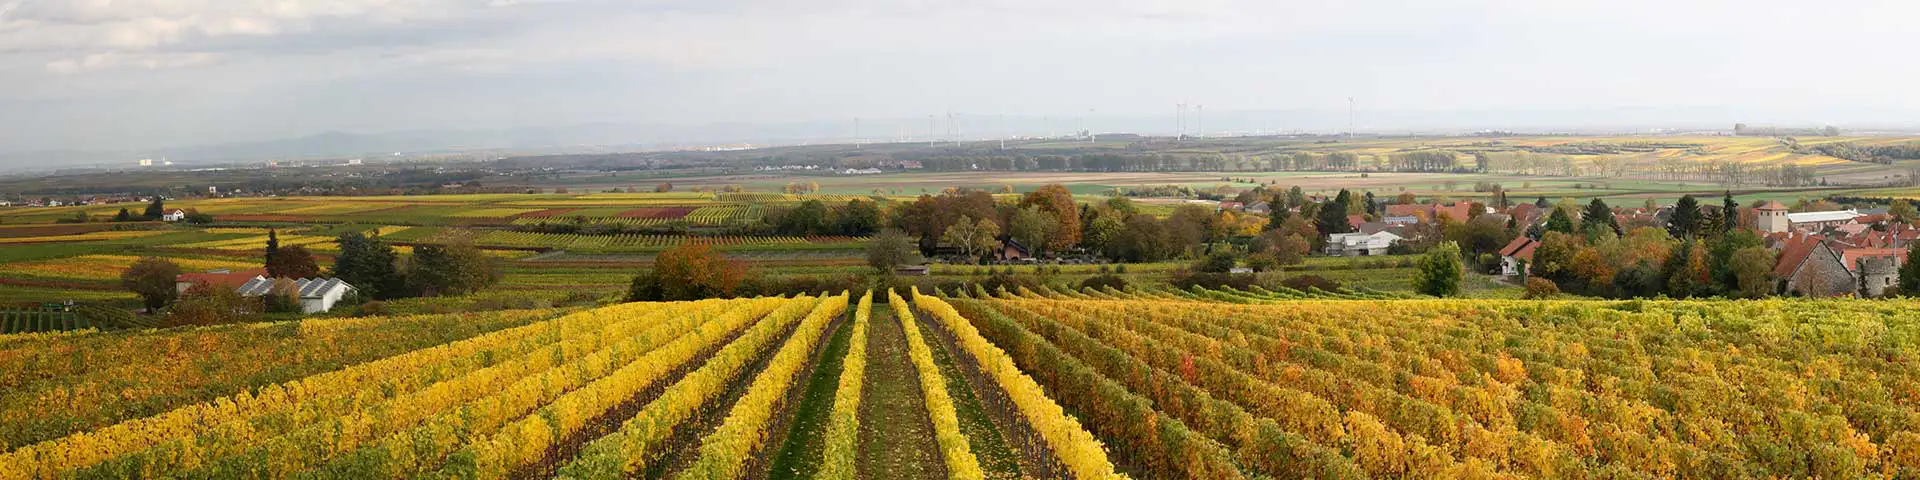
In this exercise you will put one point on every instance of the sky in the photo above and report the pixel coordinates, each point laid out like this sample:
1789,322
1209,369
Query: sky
128,74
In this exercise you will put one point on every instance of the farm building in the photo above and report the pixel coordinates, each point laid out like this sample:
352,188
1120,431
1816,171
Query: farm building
1012,250
316,294
174,215
1360,244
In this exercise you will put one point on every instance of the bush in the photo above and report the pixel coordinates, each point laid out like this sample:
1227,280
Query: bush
1303,282
1439,273
1540,288
1263,262
370,308
1186,279
1104,280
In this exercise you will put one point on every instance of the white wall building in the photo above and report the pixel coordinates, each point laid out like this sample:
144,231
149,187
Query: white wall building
316,294
1360,244
174,215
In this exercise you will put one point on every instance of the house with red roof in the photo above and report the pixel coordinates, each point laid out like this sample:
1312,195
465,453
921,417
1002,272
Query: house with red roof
1517,256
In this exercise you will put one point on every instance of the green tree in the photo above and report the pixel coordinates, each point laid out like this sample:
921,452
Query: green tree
857,217
153,279
1439,272
1333,216
1553,259
1729,212
1032,227
273,250
1685,222
974,238
1902,211
453,269
1752,270
368,264
1910,271
203,304
123,216
156,209
1218,262
293,262
1560,221
1720,256
889,250
1101,230
810,218
1597,217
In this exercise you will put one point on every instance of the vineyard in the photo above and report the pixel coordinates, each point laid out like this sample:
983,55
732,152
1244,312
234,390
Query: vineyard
1083,384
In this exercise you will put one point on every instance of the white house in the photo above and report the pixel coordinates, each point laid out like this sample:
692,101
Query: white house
174,215
316,294
1360,244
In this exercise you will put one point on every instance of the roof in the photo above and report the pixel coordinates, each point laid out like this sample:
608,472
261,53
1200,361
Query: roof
1770,205
1852,256
1521,247
308,287
1794,252
1833,216
221,278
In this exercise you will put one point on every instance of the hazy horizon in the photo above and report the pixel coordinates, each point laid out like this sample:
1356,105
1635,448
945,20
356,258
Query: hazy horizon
94,75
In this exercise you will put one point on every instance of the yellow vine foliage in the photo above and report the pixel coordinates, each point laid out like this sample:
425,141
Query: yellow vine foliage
961,463
843,424
1072,444
726,452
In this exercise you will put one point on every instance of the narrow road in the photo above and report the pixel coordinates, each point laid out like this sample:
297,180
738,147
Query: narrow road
896,438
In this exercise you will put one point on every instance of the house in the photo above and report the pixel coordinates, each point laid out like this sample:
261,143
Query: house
1231,205
1400,220
1360,244
1262,208
1517,255
912,270
216,278
316,294
1012,250
1811,266
174,215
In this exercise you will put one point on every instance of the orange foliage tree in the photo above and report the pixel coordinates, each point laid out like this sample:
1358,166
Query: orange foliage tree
690,271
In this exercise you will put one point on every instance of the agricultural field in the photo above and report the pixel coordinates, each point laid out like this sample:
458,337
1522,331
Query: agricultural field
1052,384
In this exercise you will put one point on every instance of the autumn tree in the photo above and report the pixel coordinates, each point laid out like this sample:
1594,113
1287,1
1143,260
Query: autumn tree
663,187
153,279
292,262
1290,249
1057,201
1554,258
689,271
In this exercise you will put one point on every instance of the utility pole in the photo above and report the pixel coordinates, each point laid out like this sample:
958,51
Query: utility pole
856,133
931,137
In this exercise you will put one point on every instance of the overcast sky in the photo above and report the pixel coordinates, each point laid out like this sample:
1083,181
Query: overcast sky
110,74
